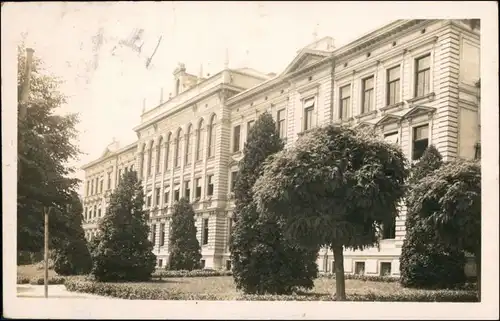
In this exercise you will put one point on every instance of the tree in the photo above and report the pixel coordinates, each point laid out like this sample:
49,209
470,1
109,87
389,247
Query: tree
424,263
72,256
185,250
448,201
334,189
124,252
46,145
263,260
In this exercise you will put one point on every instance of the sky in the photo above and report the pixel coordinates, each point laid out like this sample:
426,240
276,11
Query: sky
106,83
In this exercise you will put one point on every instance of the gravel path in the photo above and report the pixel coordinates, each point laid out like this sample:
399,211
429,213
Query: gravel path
55,292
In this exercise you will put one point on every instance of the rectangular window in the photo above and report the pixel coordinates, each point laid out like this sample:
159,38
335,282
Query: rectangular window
162,234
345,101
281,123
392,138
101,184
92,187
205,231
88,188
109,181
228,265
210,185
189,149
359,268
187,189
153,234
95,210
177,153
200,141
157,196
423,75
148,202
166,197
389,230
99,213
90,214
420,141
308,114
236,138
385,268
393,85
233,180
249,125
198,188
367,103
176,195
160,263
202,264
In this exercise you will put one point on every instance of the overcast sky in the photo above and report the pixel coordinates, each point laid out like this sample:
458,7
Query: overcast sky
76,40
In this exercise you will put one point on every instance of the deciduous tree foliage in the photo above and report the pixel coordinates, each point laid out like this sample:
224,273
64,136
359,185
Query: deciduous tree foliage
46,145
185,250
425,263
448,201
124,252
263,261
71,255
334,188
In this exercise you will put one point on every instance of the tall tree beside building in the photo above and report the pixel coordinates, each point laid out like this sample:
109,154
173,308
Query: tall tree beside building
124,252
71,255
185,250
46,145
423,262
448,202
262,260
334,188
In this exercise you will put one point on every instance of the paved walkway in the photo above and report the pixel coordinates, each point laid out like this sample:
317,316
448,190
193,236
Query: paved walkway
55,292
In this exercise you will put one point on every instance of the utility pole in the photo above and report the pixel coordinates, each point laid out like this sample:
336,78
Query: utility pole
46,251
24,97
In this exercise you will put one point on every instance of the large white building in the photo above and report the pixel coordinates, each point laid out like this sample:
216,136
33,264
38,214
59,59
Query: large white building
413,81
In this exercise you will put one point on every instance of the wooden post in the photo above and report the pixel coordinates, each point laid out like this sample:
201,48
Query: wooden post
46,252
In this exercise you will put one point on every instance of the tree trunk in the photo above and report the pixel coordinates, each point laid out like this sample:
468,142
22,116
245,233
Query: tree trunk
338,256
477,258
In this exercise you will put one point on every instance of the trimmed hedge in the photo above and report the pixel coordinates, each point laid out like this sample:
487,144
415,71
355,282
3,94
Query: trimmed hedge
374,278
144,292
160,274
51,280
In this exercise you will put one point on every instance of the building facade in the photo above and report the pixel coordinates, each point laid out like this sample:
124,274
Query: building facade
413,82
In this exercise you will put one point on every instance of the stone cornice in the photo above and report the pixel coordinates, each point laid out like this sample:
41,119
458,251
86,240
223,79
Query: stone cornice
110,156
188,103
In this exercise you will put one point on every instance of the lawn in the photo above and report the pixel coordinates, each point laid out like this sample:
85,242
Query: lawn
33,270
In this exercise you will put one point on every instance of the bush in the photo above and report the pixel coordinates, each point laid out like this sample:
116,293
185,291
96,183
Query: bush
145,292
51,280
189,274
124,252
185,250
424,262
263,260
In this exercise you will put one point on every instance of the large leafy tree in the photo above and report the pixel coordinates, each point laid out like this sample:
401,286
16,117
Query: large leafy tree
46,145
425,263
263,260
124,252
185,250
71,255
448,201
334,188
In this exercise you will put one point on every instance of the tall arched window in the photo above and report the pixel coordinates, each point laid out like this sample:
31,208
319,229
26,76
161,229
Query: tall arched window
178,141
167,152
212,136
189,148
143,156
158,155
150,158
199,141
